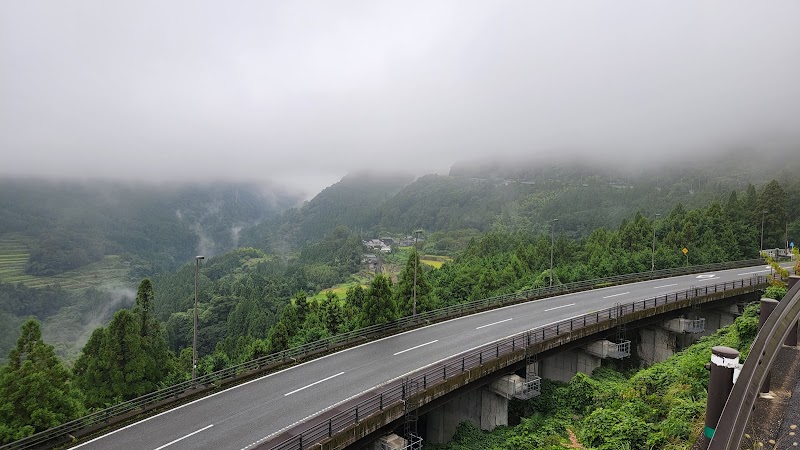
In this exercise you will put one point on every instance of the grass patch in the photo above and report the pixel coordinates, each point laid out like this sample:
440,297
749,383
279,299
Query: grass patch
432,263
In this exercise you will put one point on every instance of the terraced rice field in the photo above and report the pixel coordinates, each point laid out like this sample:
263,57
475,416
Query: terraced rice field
14,256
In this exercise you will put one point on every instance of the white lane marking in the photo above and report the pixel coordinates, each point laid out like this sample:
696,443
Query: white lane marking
313,384
710,275
616,295
414,348
751,273
493,323
665,286
559,307
182,438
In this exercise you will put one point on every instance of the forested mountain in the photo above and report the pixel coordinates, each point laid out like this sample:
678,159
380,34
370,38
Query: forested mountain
67,225
523,196
352,202
71,252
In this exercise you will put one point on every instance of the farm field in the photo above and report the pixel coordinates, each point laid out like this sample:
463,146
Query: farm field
14,256
434,261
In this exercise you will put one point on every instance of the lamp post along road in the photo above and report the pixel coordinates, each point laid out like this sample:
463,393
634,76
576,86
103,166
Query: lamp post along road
653,257
416,258
552,247
194,341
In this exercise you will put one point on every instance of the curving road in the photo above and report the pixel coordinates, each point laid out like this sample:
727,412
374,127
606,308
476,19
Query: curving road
243,416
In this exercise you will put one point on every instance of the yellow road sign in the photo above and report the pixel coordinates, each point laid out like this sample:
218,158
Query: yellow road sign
685,250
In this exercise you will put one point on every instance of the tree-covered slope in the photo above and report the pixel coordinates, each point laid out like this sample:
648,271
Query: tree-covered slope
352,202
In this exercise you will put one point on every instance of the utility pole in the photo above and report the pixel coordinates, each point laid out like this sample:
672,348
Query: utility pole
194,342
762,229
416,258
552,247
653,257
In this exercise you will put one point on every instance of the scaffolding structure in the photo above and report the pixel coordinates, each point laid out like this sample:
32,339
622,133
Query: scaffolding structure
533,382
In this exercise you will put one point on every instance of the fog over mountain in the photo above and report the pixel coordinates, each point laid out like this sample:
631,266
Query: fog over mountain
300,93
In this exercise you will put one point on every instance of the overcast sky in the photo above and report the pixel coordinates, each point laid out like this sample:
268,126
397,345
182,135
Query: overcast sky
302,92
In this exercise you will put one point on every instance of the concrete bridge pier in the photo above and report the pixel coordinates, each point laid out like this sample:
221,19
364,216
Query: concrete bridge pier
486,407
658,343
564,365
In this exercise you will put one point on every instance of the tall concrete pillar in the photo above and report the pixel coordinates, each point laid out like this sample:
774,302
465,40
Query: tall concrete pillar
723,361
564,365
483,407
655,344
767,306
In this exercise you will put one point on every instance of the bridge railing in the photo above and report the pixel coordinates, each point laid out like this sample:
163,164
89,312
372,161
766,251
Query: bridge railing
420,381
124,410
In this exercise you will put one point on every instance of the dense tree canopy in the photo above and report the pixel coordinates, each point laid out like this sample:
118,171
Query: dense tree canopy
36,391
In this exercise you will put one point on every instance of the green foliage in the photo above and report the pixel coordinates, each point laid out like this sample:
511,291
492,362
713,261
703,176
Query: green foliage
404,293
776,292
127,359
36,391
379,306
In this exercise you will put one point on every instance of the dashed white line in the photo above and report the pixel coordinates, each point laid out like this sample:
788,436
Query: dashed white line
752,273
665,286
559,307
617,295
493,323
416,347
182,438
313,384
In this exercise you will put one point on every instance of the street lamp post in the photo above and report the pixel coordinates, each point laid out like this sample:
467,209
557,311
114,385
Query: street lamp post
194,342
416,258
653,257
762,229
552,247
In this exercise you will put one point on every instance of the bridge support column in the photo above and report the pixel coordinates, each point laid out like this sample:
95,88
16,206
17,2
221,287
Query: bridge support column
486,408
656,344
564,365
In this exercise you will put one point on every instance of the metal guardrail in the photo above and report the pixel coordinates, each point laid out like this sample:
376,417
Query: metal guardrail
421,381
763,352
227,375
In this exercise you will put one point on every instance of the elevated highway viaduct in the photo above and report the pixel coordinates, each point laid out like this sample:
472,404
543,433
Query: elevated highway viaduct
273,410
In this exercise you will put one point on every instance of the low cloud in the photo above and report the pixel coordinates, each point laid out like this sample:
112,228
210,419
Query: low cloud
302,93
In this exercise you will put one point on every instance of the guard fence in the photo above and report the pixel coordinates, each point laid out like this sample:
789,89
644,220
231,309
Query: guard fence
212,381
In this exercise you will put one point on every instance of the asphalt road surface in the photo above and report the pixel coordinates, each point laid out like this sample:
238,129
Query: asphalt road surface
246,415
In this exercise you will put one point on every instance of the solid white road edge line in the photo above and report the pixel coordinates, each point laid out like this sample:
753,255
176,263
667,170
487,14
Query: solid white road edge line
752,273
313,384
559,307
182,438
416,347
493,323
617,295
